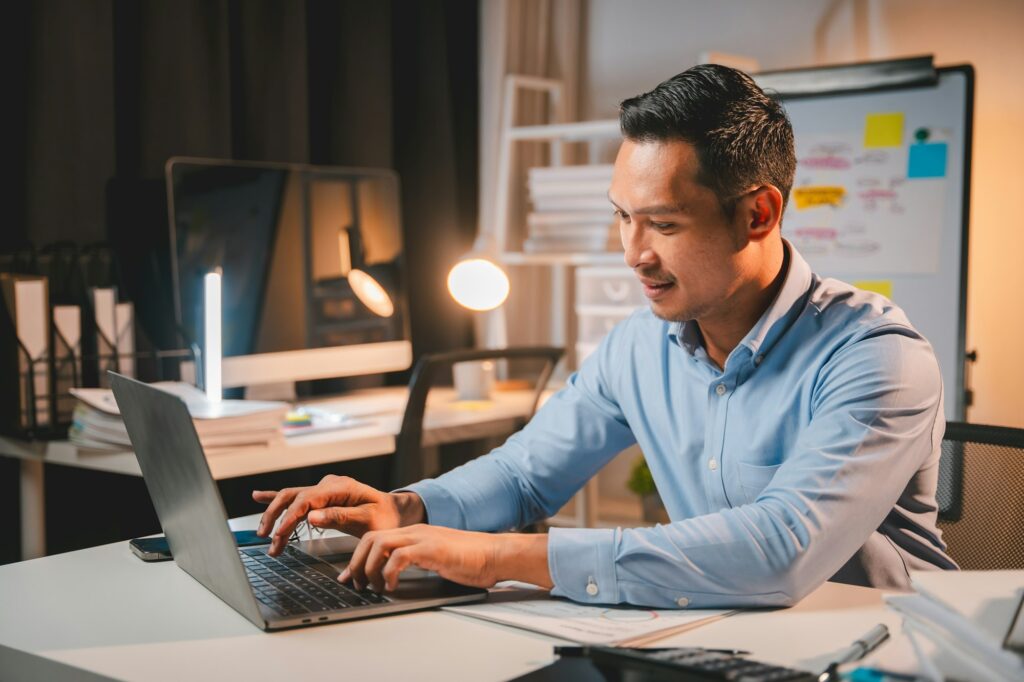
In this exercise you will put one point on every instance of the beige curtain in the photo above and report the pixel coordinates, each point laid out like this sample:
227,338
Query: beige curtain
532,38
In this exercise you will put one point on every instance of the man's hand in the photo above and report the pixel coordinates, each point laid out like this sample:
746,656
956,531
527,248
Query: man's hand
337,502
476,559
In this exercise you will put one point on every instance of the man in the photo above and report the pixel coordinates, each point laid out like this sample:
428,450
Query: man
792,423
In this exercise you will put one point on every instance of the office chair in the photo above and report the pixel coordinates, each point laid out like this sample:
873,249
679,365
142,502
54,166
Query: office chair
408,463
981,496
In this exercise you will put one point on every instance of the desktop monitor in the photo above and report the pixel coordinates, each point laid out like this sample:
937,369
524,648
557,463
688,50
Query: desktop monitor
312,267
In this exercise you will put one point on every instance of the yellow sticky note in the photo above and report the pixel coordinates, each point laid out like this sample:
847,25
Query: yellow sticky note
883,130
879,286
818,195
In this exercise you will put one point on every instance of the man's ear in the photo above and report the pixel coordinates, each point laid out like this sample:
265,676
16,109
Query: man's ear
761,211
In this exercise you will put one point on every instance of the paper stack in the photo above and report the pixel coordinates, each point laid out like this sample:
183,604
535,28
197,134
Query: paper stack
229,424
531,608
571,211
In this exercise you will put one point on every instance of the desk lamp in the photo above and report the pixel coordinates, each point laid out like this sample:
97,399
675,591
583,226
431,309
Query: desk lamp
480,285
367,289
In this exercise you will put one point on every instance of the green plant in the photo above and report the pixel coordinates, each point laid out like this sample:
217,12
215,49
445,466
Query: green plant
640,480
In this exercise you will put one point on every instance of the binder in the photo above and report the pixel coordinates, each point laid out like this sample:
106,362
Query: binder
115,336
67,357
25,349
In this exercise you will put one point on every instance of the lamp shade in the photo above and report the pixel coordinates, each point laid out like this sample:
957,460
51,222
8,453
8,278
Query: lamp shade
478,284
371,293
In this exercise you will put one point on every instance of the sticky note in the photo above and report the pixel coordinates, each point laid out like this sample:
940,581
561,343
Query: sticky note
883,130
818,195
927,160
879,286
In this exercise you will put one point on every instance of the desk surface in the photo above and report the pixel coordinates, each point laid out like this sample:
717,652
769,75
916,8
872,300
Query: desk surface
446,420
103,611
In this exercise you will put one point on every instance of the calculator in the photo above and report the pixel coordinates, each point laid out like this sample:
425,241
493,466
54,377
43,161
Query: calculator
686,664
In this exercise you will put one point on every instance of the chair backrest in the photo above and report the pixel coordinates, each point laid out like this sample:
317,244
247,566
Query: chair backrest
981,495
407,464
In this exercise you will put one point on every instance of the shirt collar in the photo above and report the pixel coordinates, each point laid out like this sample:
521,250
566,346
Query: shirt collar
773,322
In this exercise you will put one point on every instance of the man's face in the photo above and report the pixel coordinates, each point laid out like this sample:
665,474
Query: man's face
683,248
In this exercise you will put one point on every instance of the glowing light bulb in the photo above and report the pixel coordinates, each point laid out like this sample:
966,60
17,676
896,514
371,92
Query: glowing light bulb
212,327
371,293
478,284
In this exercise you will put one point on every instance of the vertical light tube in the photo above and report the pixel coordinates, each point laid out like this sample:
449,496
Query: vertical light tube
212,327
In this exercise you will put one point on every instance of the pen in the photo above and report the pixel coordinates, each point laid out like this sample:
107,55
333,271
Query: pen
860,648
867,643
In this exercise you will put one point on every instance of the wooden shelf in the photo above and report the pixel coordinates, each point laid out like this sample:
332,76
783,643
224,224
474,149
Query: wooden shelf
573,258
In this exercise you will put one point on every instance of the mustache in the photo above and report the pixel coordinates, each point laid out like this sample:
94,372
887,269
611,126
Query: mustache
657,275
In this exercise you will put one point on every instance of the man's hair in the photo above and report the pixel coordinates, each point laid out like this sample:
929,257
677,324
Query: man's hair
741,135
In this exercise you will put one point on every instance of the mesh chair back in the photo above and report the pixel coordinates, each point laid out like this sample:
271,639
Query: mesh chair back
981,496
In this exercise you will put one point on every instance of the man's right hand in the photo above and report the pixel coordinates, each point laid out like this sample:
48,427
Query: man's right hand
337,502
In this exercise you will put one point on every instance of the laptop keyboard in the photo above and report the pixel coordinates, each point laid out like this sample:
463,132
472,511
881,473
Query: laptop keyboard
292,585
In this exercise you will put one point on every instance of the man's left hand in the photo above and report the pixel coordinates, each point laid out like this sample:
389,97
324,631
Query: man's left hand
465,557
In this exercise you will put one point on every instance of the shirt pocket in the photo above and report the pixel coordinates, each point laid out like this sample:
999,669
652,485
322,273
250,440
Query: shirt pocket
754,478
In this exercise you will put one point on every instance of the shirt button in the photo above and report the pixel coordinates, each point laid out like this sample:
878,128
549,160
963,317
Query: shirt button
712,464
759,359
720,389
682,602
592,588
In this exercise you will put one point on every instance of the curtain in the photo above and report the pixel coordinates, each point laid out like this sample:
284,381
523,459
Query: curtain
103,92
532,38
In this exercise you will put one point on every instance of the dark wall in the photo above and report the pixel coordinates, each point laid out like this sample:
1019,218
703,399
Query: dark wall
102,92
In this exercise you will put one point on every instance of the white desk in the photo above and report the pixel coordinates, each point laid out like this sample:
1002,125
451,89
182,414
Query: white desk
101,612
446,420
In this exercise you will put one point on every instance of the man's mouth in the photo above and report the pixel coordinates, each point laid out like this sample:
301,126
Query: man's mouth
654,288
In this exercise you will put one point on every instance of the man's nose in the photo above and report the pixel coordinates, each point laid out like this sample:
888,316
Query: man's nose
636,250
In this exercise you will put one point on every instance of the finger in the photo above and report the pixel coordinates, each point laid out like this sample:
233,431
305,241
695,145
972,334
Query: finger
264,496
354,571
281,501
376,559
400,559
351,520
296,511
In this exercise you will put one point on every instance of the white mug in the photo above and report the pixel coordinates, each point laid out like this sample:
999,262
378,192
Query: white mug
473,380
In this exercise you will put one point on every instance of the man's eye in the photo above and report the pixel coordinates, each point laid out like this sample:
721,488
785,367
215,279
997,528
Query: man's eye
662,226
621,215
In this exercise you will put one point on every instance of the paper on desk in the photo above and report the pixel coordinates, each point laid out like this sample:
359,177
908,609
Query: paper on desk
199,407
532,609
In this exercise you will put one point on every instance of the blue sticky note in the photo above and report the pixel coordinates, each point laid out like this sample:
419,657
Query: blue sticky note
927,160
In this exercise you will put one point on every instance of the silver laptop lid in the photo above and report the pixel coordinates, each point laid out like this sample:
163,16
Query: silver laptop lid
184,494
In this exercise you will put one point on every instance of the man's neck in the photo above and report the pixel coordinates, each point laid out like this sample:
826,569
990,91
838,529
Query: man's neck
741,312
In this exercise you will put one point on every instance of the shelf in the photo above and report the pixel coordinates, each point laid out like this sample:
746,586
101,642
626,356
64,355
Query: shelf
574,258
567,132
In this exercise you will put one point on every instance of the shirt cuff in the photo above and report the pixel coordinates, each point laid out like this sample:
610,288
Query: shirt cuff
582,564
441,507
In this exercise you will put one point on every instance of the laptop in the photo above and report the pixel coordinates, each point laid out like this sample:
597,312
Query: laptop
297,588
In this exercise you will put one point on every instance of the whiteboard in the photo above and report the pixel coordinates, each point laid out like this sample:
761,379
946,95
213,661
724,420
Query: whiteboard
880,200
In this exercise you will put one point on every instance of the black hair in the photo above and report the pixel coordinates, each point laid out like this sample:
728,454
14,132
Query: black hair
741,135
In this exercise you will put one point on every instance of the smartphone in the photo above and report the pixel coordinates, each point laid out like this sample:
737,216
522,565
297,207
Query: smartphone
156,549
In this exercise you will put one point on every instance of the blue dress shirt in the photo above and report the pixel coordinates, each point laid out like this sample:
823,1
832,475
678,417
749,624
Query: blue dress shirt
813,455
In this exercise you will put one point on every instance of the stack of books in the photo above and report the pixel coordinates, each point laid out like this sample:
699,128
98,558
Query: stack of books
571,211
228,424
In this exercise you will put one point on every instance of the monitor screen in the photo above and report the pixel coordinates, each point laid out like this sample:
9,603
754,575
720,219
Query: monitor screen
310,257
